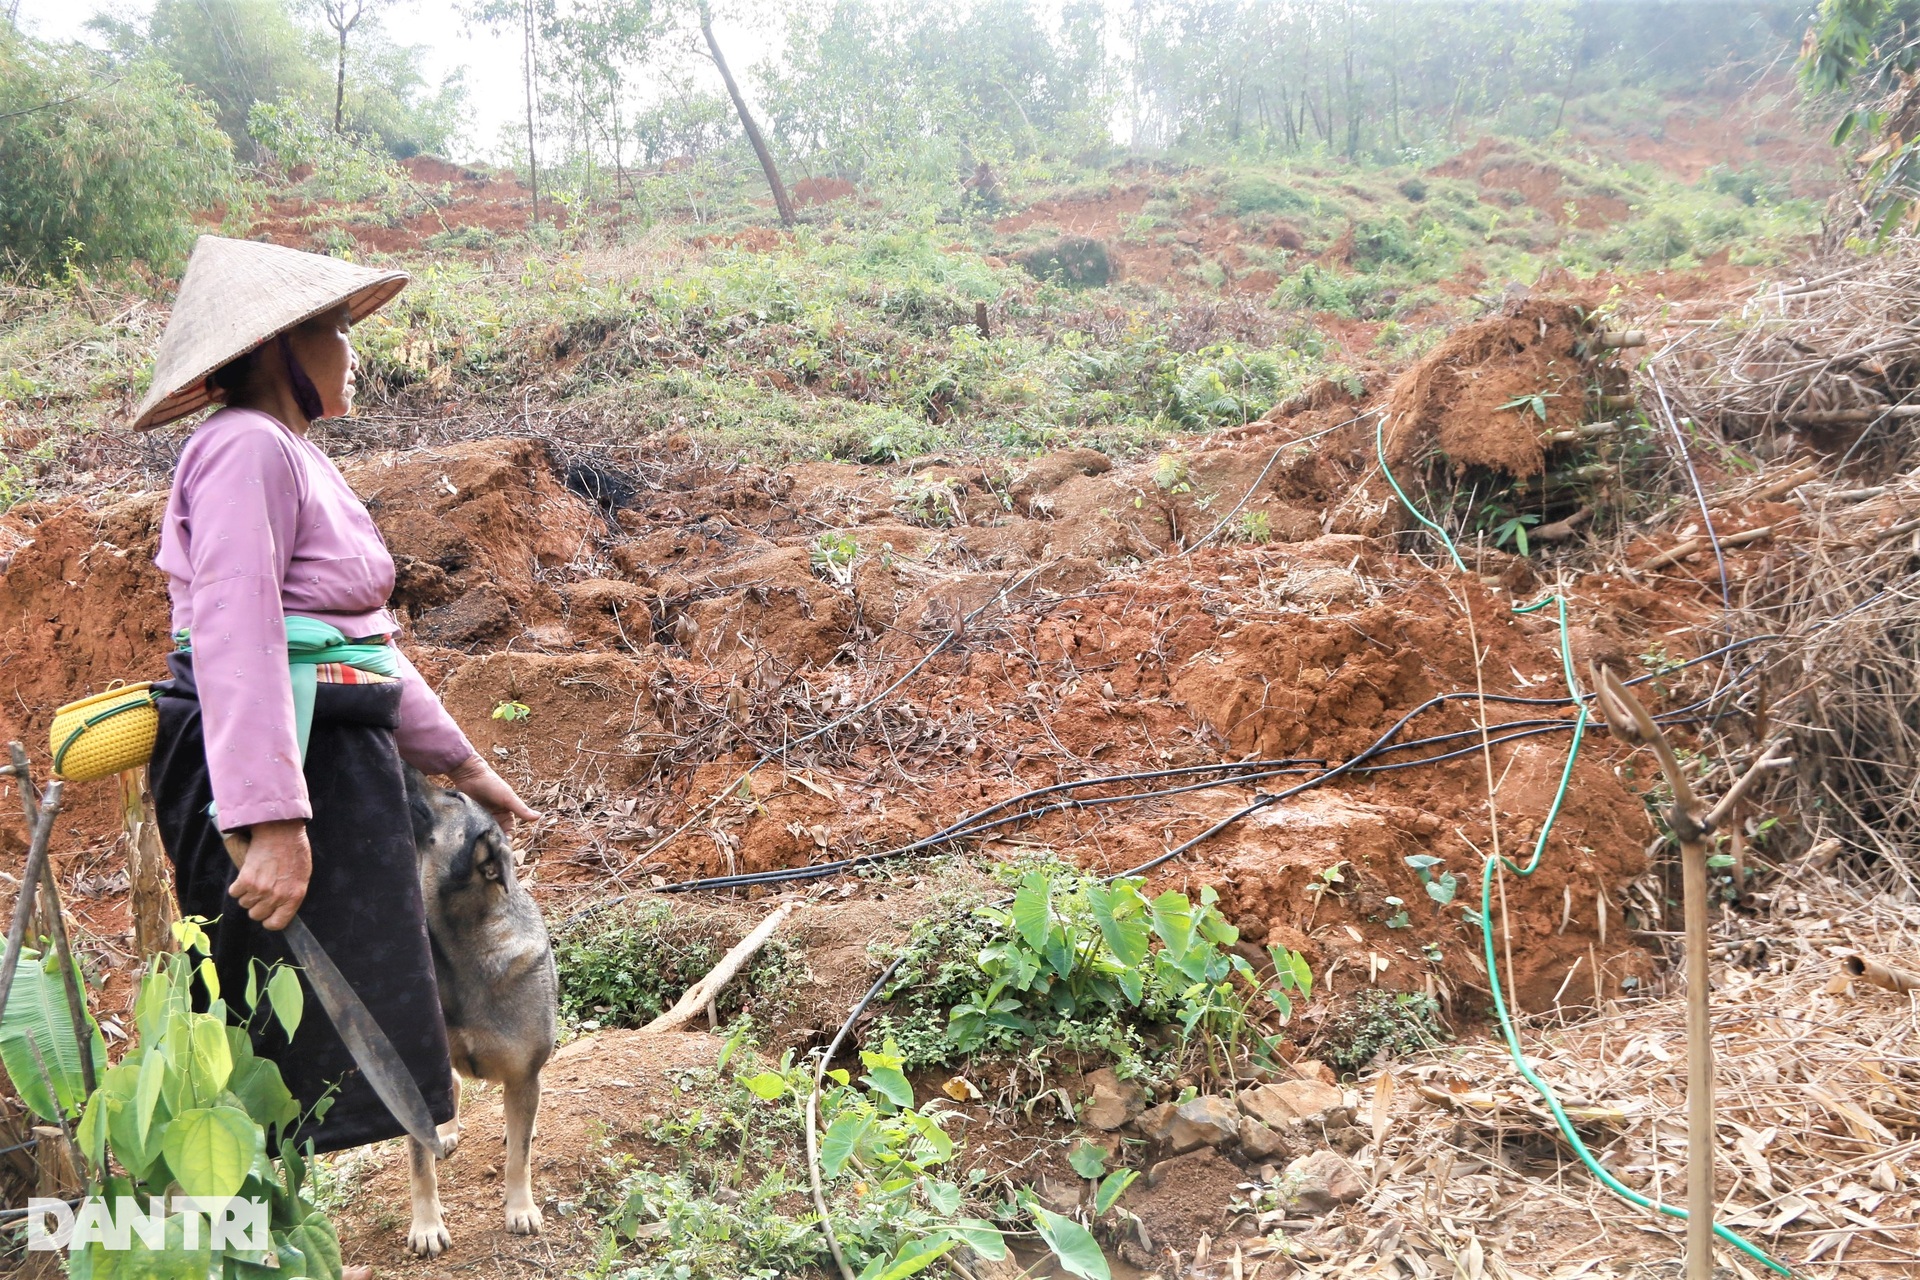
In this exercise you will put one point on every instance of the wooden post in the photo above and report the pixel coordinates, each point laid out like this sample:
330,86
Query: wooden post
148,884
1693,879
56,1177
1630,722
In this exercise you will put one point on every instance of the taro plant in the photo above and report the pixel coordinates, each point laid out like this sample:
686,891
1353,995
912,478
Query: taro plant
1074,947
881,1163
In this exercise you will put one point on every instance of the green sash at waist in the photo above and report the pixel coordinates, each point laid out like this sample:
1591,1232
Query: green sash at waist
310,644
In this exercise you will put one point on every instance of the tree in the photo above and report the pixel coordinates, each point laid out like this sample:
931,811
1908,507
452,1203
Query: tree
759,143
236,52
241,53
1861,56
102,164
342,17
592,44
497,15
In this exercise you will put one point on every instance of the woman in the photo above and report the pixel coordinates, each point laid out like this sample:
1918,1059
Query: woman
262,531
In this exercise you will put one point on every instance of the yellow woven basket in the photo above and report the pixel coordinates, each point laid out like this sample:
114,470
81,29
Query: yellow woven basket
106,733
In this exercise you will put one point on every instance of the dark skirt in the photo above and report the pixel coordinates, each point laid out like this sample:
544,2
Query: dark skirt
363,903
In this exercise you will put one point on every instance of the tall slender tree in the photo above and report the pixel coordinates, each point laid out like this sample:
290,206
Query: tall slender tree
754,137
342,16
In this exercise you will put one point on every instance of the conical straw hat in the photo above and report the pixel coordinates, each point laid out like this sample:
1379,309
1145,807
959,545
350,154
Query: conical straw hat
236,295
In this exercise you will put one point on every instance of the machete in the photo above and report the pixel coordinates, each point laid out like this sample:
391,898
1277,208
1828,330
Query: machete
368,1044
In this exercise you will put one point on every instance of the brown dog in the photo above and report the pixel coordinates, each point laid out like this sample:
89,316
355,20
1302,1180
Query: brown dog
499,992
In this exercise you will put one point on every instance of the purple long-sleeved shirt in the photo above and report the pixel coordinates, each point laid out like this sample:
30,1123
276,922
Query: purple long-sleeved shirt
261,524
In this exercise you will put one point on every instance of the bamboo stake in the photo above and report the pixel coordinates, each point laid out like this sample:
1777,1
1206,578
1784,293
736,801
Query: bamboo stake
697,996
63,949
1630,722
40,810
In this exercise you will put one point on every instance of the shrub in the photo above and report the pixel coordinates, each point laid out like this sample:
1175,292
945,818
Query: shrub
1072,260
1371,1021
1074,963
99,164
1255,193
1379,241
623,967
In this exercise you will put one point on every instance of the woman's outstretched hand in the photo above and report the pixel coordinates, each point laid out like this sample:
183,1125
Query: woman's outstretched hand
490,791
273,882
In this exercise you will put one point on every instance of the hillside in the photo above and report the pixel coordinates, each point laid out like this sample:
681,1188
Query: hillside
883,564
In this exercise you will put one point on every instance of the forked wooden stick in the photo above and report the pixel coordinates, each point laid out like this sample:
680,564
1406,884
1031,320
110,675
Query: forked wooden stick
1630,722
694,1002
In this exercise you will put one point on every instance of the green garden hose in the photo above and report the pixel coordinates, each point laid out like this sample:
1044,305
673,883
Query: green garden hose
1487,869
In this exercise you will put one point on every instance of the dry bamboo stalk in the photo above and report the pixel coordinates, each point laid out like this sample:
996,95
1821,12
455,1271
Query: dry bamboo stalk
1786,485
148,883
1850,417
1585,431
1614,339
1694,546
1880,975
1563,529
690,1005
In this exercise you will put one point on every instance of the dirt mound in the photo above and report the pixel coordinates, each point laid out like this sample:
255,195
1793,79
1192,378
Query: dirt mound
1202,233
81,606
476,531
600,1094
812,191
625,669
1490,394
1497,165
461,205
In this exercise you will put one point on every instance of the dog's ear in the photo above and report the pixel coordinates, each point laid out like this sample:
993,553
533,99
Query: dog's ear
420,806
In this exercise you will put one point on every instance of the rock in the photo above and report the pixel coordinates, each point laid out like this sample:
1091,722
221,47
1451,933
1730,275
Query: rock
1203,1122
1258,1141
1114,1101
1155,1123
1318,1182
1274,1105
480,614
1057,1195
1314,1069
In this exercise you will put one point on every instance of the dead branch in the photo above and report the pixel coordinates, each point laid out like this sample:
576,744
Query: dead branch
694,1002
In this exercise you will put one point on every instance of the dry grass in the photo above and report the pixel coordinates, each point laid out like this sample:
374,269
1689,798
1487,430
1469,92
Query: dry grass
1818,1107
1840,338
1822,368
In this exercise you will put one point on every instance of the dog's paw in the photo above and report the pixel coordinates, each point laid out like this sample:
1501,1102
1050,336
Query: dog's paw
428,1239
525,1221
449,1138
